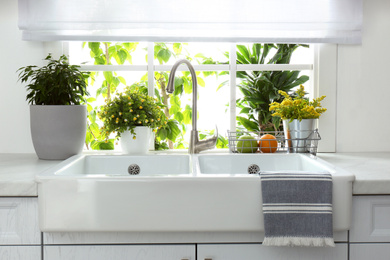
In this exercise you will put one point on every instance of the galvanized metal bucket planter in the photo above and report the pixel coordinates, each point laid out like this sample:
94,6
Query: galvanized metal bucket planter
298,134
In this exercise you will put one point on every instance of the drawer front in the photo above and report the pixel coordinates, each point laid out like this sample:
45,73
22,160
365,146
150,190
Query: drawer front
20,253
370,219
257,251
369,251
19,221
120,252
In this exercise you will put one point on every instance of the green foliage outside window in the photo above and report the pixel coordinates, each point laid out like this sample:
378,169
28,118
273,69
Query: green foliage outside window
259,88
179,116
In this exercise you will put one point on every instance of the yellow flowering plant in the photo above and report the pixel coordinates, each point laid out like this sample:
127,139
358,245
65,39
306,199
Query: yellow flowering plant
130,109
297,107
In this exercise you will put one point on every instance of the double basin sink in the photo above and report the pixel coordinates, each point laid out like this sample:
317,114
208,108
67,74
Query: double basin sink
171,192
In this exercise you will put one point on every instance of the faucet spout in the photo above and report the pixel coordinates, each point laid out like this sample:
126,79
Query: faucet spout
195,145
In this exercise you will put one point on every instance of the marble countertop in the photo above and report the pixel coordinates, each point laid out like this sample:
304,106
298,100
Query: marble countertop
372,171
17,173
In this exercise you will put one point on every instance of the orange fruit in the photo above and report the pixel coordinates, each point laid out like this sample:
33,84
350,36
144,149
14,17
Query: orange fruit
268,143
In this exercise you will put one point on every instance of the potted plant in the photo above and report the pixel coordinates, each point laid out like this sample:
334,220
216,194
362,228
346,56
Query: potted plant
57,118
132,115
298,115
260,88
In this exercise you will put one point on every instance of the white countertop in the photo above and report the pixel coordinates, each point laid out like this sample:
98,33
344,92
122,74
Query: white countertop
17,173
372,171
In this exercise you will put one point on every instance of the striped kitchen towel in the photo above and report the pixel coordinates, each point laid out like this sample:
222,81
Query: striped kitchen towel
297,209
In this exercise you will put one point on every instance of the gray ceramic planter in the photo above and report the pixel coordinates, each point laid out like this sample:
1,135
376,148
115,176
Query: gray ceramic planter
58,132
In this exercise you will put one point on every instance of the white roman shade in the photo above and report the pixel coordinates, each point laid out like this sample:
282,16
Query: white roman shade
282,21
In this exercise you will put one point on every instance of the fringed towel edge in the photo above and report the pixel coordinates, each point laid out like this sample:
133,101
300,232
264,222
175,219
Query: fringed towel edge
299,241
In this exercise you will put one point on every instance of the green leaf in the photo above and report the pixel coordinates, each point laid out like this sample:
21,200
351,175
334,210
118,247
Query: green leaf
89,108
249,125
173,131
122,80
177,48
179,116
130,46
91,99
94,47
174,109
175,100
187,115
163,55
201,82
102,145
187,83
162,133
245,110
224,83
121,57
89,138
108,76
94,128
244,53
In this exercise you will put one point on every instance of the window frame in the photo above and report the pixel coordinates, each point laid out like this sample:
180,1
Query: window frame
323,74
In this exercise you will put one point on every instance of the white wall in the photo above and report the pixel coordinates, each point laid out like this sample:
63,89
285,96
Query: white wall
14,110
363,85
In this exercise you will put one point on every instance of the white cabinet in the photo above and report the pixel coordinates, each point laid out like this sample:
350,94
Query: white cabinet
20,237
120,252
370,230
370,251
258,252
19,221
370,219
20,252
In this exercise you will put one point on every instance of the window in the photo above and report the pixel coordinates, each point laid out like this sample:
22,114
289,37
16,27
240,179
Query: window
221,68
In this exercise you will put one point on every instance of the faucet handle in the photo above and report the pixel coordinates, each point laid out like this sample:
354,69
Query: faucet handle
202,145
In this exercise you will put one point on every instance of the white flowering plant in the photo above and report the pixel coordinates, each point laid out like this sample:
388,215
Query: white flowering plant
129,109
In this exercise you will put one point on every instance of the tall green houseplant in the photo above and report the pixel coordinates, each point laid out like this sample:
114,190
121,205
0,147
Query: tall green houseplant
260,88
57,83
58,119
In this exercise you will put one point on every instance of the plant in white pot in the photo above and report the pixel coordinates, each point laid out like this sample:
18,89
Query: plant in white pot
132,116
299,117
57,118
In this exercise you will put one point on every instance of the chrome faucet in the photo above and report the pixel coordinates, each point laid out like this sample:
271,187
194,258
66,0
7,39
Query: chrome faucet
196,145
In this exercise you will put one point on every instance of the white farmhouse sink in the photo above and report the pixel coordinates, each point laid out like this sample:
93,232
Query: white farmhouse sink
171,193
247,187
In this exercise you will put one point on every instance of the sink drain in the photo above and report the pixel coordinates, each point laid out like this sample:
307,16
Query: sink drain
134,169
253,169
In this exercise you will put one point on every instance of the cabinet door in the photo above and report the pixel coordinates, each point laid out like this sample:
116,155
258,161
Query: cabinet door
120,252
370,219
370,251
258,252
19,221
20,253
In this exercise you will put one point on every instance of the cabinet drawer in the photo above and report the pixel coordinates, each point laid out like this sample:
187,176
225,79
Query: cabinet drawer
120,252
20,253
19,221
369,251
370,219
257,251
